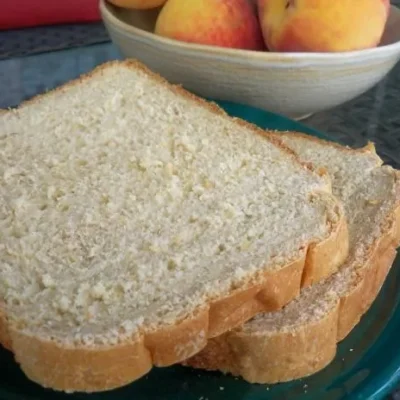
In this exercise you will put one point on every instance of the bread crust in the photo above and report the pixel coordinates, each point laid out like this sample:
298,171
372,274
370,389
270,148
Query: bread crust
85,369
284,356
280,357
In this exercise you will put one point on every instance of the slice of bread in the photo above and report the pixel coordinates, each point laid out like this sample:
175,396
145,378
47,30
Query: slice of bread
137,221
301,338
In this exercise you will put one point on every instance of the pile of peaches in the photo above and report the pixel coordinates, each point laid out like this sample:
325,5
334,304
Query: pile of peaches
274,25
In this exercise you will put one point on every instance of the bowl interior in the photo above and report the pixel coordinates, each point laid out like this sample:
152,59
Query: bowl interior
141,19
145,20
392,29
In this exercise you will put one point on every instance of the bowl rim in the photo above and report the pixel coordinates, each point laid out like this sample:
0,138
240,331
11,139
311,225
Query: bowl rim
250,55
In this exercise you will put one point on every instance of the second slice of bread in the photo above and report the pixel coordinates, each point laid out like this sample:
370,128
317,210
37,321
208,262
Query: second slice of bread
301,338
138,221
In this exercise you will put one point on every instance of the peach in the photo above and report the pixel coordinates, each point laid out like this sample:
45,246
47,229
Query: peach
138,4
225,23
322,25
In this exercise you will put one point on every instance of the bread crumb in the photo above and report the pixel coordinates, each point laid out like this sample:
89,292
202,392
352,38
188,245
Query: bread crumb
98,291
169,169
48,281
373,202
64,303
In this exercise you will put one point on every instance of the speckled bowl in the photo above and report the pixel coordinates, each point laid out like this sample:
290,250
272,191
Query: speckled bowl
292,84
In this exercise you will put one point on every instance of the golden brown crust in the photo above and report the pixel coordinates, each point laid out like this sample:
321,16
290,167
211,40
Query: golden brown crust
277,291
281,356
168,344
330,249
82,369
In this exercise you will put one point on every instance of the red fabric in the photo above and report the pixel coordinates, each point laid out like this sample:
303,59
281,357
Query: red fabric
28,13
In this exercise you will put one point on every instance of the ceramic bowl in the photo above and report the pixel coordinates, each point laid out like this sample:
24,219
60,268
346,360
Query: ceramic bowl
292,84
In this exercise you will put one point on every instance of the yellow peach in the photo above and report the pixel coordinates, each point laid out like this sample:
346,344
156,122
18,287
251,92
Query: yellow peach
225,23
138,4
322,25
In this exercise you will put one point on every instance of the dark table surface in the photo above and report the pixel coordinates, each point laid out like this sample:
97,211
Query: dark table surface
35,60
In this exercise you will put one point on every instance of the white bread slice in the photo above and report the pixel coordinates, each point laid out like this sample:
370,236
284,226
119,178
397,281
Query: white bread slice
137,221
301,339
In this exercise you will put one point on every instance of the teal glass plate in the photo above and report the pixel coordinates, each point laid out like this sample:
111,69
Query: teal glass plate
367,365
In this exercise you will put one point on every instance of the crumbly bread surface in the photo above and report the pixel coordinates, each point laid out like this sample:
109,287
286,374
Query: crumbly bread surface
301,338
138,220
